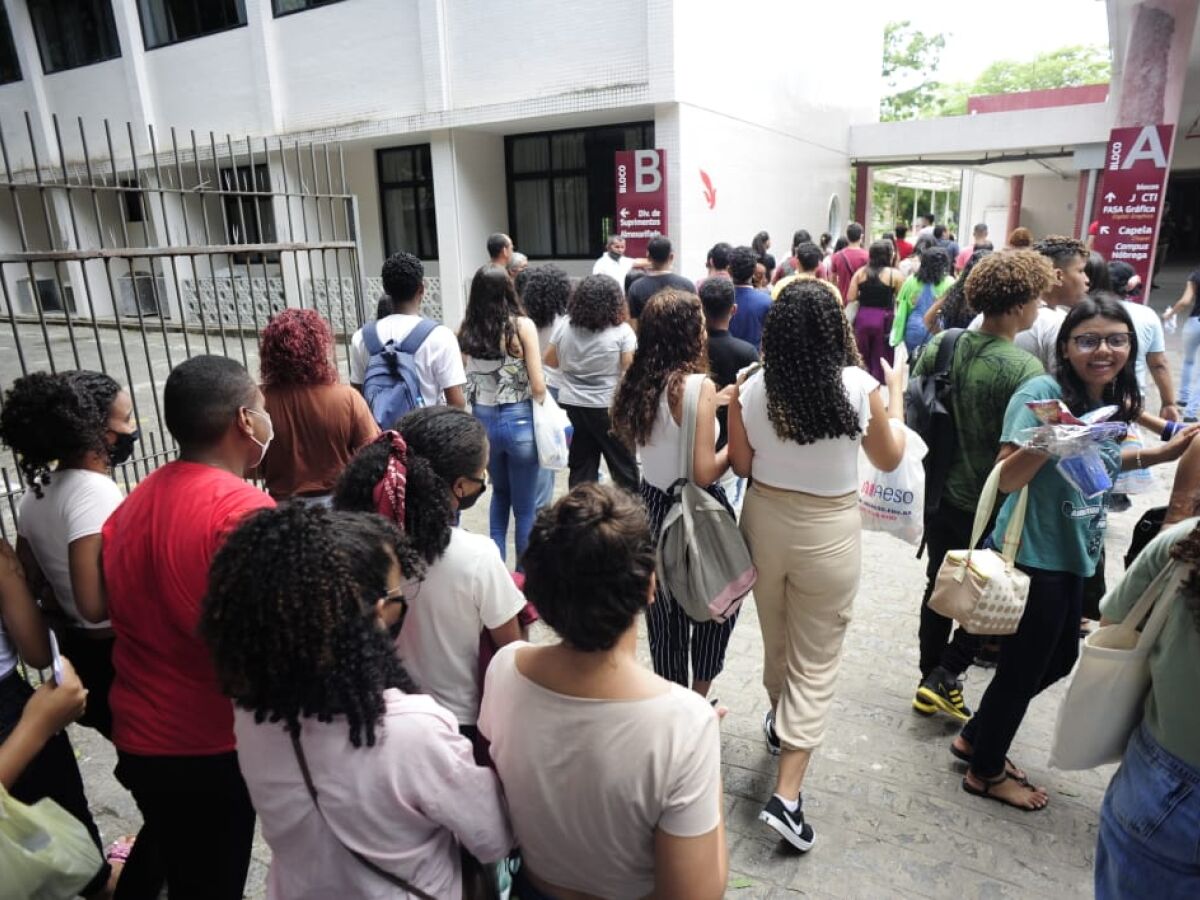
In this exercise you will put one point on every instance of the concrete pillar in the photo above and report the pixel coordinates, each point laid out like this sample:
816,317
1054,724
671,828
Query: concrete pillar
1016,187
862,195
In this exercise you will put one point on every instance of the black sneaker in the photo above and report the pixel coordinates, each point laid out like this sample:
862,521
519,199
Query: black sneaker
943,691
769,732
789,825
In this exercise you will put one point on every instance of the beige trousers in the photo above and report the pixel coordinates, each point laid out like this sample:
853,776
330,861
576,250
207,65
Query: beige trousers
808,553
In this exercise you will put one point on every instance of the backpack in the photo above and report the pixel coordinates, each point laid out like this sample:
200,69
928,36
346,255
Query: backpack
391,385
702,557
928,412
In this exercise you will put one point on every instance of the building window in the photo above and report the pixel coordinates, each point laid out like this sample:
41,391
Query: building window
10,66
249,220
284,7
406,200
171,21
561,188
74,33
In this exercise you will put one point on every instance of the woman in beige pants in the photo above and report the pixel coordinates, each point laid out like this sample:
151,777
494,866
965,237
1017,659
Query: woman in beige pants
795,426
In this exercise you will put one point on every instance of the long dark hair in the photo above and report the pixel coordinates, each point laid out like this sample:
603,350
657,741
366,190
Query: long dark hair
1122,390
489,326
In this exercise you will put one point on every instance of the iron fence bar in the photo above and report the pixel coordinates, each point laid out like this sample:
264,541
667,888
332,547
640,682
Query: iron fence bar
207,237
143,206
312,152
262,257
126,189
158,177
148,252
237,310
187,238
291,226
337,260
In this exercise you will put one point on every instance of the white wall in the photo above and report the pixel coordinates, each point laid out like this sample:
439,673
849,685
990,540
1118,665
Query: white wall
983,195
1048,204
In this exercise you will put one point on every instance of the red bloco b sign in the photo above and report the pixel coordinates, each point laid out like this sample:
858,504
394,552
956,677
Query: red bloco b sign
1132,194
641,197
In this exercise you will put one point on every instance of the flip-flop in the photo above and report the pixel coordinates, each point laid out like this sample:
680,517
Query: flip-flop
986,792
1010,767
118,851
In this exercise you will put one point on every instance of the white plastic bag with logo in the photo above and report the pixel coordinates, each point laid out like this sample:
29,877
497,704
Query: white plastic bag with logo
552,433
894,502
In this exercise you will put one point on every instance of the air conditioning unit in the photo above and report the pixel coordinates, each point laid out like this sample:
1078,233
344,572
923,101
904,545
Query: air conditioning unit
142,292
47,295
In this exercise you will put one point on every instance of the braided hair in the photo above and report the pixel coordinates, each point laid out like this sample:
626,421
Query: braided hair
290,616
807,343
54,418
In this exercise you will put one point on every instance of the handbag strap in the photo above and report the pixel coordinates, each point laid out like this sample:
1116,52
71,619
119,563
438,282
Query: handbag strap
983,514
312,791
1163,588
687,425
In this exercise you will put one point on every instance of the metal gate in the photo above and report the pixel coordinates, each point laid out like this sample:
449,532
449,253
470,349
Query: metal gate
127,252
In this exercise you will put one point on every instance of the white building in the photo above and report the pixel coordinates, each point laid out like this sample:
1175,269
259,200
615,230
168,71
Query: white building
456,119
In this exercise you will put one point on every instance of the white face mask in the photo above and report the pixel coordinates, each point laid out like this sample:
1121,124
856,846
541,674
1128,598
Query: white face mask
270,436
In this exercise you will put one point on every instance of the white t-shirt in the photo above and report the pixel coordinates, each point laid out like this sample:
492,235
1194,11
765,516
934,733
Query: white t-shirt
544,334
826,468
660,455
404,803
465,591
438,360
588,781
613,268
1150,337
1040,338
75,504
589,362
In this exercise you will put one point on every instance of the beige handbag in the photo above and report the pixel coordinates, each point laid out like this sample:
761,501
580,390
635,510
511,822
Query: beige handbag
983,590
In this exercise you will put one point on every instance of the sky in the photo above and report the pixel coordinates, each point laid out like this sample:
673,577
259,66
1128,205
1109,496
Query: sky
979,33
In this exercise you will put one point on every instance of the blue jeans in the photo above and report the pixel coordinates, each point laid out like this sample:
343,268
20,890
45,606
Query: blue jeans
513,470
1149,842
1189,379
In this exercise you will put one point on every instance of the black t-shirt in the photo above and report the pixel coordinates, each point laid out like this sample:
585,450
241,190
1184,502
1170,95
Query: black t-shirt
649,285
1194,278
727,355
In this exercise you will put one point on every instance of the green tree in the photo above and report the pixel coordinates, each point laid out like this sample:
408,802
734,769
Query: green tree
909,57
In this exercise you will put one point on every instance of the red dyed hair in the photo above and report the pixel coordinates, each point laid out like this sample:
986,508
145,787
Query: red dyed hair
297,348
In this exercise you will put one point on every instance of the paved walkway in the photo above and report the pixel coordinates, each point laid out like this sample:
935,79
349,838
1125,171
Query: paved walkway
883,792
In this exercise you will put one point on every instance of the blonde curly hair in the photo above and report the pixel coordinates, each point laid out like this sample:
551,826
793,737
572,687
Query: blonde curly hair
1003,281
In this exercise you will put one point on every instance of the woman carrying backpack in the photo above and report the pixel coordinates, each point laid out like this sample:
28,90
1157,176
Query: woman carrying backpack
504,377
796,425
647,411
917,295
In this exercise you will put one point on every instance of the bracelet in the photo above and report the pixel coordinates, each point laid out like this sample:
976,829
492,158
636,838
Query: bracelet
1138,459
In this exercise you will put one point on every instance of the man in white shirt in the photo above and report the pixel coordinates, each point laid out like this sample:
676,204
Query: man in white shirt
614,263
438,360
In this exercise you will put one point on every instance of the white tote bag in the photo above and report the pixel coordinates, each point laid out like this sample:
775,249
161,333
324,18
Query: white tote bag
894,502
1110,682
550,429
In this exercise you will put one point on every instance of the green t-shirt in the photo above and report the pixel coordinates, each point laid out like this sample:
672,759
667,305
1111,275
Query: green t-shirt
1064,531
1175,658
984,374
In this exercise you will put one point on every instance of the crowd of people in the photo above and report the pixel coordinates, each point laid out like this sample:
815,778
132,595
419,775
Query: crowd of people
289,622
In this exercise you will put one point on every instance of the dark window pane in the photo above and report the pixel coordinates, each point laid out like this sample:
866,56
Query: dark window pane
429,245
249,220
530,155
170,21
400,220
283,7
396,165
406,194
567,150
72,33
10,66
570,216
531,209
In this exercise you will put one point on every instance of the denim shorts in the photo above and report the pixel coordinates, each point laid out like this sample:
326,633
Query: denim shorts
1149,842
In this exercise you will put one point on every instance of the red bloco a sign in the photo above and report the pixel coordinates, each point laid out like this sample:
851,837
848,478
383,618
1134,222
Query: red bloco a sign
1132,194
641,197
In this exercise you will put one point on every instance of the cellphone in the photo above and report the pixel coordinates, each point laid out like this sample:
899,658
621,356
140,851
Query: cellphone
56,662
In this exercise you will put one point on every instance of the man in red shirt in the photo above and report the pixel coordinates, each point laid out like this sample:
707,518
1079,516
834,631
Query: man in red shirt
172,726
844,263
903,248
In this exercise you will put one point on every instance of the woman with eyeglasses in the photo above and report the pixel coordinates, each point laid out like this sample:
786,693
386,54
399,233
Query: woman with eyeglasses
361,782
1062,538
420,477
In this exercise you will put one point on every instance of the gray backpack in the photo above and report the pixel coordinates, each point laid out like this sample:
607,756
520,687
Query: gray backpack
702,558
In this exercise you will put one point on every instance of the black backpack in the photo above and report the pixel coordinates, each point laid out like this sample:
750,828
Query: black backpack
928,412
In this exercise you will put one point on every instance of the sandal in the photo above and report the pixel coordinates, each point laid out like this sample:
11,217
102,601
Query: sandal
1010,767
118,851
990,783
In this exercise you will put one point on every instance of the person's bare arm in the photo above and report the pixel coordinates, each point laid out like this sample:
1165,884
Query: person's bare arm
708,464
51,708
741,454
455,396
22,619
626,360
507,633
1185,491
692,867
551,356
527,335
883,444
1185,301
1160,371
1153,456
852,293
87,581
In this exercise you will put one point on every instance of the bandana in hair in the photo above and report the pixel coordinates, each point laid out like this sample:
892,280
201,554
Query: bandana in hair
389,492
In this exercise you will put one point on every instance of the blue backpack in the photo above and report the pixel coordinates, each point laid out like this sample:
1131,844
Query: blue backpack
391,386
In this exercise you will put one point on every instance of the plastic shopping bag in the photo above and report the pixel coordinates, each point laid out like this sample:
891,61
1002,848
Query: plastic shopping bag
552,432
1135,481
894,502
45,852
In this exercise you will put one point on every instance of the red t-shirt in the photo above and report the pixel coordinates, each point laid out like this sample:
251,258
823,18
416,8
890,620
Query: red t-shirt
903,248
843,265
158,545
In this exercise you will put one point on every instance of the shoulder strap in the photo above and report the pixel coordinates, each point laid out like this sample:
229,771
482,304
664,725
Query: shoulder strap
312,792
417,336
946,350
371,338
1158,594
687,424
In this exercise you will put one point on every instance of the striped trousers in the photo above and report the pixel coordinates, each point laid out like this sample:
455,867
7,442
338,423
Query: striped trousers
673,634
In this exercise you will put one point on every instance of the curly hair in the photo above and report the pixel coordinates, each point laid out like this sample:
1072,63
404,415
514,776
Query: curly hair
1020,238
935,265
597,304
1096,270
444,444
589,565
1060,250
56,418
807,343
490,320
1123,391
296,347
290,616
402,275
671,341
998,282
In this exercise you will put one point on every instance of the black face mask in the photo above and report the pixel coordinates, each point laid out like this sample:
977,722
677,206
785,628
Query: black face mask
465,503
393,630
122,448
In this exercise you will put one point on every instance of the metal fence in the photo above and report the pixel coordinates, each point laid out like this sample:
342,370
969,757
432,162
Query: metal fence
126,252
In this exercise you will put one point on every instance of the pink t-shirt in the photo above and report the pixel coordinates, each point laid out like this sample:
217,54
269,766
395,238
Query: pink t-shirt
405,803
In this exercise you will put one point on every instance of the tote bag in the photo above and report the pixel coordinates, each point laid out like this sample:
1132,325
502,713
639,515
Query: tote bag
45,852
551,433
1108,687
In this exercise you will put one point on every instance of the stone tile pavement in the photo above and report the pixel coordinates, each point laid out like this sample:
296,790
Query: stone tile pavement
883,792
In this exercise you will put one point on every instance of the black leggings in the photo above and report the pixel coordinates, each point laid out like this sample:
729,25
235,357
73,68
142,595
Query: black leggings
949,529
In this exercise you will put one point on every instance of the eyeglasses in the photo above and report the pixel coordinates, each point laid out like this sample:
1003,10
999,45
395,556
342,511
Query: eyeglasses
397,595
482,482
1090,343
